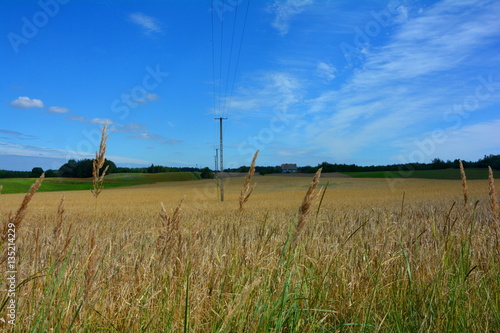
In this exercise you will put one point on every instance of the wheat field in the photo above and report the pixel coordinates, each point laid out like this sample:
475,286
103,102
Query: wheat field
369,256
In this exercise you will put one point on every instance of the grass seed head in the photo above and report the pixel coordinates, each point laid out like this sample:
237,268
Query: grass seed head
464,183
60,213
247,190
305,208
98,179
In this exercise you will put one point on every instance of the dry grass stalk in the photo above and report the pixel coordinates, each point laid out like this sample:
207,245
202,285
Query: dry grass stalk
493,196
60,212
247,190
98,179
91,268
1,187
21,212
305,208
464,183
243,297
170,224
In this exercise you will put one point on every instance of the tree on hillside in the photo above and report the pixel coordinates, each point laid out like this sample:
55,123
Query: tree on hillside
83,168
206,173
438,163
489,160
36,172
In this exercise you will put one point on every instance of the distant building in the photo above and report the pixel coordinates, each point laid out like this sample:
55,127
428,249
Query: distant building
288,168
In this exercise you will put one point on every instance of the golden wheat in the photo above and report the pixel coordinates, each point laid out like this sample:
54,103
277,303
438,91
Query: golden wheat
113,276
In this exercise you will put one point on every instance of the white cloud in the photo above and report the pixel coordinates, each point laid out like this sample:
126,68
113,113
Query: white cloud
152,97
427,66
100,121
473,142
274,90
285,10
147,23
7,148
58,109
24,102
326,71
146,136
127,128
171,142
293,152
17,135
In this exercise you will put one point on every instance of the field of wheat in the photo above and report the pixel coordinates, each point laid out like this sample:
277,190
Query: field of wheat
356,255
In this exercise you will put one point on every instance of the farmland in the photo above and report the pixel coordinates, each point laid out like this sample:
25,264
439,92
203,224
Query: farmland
373,255
22,185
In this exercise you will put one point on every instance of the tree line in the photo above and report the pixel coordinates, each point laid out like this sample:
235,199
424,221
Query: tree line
83,168
488,160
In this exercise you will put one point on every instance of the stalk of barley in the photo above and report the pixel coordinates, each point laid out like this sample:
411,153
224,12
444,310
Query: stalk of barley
98,179
464,183
305,208
1,187
493,196
247,190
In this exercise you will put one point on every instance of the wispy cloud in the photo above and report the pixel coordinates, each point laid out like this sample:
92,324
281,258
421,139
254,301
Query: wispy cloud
271,91
146,136
149,24
100,121
430,63
127,128
58,109
468,138
150,97
15,134
7,148
326,71
284,11
170,142
23,102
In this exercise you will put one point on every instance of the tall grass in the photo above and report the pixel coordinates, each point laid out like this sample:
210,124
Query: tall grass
98,163
364,266
247,190
464,183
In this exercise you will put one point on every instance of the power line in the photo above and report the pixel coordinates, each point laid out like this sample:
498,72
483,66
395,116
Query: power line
227,71
220,56
230,58
213,52
239,52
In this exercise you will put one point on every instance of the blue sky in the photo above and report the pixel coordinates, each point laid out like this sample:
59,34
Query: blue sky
304,81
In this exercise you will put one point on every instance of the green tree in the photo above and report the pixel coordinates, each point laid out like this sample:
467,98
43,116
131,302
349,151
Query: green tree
36,172
207,174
